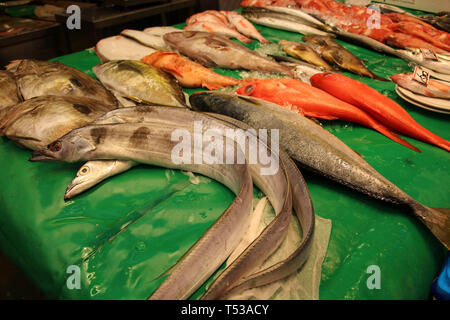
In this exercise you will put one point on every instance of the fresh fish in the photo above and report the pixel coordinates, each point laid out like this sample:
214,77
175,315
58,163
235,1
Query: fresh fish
280,21
303,206
377,105
244,26
213,50
161,31
140,82
306,100
208,16
434,89
317,149
94,172
149,40
405,41
304,52
121,48
336,54
299,14
37,122
8,92
440,66
302,71
188,73
272,185
164,121
39,78
217,28
441,20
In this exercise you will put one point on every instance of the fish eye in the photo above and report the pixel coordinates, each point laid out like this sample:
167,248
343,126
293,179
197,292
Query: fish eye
84,171
249,89
55,146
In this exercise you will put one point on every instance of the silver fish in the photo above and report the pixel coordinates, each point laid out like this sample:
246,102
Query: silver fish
213,50
140,82
39,78
173,286
8,92
317,149
37,122
283,21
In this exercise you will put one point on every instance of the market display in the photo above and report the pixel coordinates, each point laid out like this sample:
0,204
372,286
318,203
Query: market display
128,116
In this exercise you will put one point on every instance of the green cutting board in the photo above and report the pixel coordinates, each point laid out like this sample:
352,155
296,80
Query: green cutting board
127,231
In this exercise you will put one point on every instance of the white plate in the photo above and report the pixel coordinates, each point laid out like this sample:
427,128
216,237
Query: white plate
418,104
439,103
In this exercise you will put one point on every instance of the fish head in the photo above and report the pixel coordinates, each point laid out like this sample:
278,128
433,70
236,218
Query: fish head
88,175
178,37
72,147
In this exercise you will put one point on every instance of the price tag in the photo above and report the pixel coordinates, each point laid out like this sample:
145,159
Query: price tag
429,54
421,76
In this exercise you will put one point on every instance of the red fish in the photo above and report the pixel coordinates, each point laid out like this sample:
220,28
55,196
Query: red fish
188,73
402,40
377,105
312,102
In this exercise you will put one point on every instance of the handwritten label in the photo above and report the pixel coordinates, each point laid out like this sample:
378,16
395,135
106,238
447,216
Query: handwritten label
429,54
421,76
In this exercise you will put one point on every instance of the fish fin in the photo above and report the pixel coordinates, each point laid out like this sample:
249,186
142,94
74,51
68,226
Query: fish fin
173,71
210,86
315,115
437,221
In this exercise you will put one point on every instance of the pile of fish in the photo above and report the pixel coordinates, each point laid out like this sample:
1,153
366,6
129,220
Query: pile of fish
227,23
328,17
128,116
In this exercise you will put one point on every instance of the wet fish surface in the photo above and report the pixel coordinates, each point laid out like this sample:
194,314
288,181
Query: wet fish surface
39,78
212,50
8,92
304,52
140,82
320,151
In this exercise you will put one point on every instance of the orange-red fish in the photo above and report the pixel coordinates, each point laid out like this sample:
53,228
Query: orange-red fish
377,105
188,73
312,102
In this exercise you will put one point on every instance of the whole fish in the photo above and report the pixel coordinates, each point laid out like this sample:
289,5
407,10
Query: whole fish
312,102
440,20
39,121
38,78
8,92
208,16
302,71
188,73
434,89
140,82
217,28
336,54
272,185
244,26
212,50
376,104
275,185
405,41
299,14
121,48
149,40
281,21
304,52
317,149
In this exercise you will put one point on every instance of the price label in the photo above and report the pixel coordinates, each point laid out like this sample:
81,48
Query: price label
421,76
429,54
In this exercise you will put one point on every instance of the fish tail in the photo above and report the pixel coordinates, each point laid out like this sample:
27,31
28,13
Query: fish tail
388,133
437,220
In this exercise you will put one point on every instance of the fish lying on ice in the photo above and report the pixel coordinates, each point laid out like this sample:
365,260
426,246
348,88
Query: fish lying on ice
317,149
212,50
244,26
188,73
140,82
38,78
